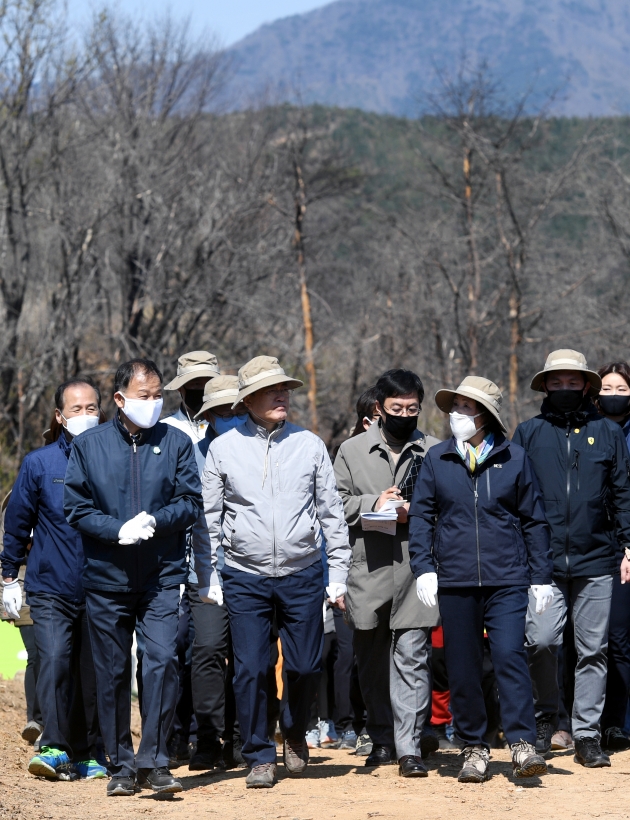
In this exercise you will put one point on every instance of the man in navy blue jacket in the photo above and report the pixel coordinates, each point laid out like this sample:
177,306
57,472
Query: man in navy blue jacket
132,488
54,587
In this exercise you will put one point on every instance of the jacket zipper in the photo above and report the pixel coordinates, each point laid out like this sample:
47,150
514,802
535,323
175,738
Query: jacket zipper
477,528
136,501
568,524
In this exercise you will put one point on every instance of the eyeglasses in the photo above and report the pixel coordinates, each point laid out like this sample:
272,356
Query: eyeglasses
403,411
277,391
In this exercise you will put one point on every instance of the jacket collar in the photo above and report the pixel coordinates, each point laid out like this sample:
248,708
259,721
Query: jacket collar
140,437
500,444
64,445
375,439
258,431
587,412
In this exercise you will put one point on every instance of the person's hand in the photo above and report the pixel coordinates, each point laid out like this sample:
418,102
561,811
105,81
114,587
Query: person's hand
625,570
426,588
543,593
12,598
212,594
403,513
139,528
392,494
335,592
341,603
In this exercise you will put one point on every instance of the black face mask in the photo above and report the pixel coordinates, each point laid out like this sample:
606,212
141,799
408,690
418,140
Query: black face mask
566,401
400,427
193,399
613,405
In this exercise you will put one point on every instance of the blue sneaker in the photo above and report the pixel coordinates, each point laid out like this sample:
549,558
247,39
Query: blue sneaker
312,738
51,763
348,740
90,770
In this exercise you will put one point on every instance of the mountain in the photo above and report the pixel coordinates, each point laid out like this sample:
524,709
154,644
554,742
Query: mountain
387,55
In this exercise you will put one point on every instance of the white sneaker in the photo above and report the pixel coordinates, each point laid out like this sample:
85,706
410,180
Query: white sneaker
476,759
328,737
312,738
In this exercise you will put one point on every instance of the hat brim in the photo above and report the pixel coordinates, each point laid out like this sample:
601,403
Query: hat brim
444,399
202,373
218,402
594,379
292,384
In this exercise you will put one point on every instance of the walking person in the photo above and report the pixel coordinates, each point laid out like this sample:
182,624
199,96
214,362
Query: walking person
478,540
581,461
270,498
391,626
132,489
66,684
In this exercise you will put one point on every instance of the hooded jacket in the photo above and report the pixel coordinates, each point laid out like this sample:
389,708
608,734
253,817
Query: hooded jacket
270,499
111,478
55,561
583,468
482,529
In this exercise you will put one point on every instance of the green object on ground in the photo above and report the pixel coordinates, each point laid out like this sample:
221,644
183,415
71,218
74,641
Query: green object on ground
12,652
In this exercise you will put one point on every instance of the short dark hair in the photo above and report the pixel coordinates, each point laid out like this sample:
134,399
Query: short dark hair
76,382
623,368
365,409
398,383
128,370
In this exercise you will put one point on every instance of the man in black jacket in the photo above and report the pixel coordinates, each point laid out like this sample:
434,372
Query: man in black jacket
581,462
132,488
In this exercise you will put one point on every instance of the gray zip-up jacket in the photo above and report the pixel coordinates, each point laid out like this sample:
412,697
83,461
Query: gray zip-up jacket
269,498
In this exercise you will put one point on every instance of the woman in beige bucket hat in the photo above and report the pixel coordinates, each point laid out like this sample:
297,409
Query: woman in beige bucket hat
478,533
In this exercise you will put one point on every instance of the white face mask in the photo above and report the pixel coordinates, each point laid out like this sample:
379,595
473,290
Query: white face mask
464,427
144,413
76,425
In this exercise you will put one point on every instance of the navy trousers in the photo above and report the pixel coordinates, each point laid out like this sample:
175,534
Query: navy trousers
618,680
112,618
66,685
296,601
465,612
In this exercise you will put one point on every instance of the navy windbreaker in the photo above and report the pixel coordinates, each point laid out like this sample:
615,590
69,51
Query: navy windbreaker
485,529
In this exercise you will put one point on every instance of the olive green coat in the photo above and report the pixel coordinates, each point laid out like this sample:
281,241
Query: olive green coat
379,571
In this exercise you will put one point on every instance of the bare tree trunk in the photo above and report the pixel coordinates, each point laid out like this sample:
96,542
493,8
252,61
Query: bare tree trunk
474,285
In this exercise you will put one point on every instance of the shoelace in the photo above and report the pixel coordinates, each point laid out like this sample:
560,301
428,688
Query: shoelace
521,746
542,728
590,743
615,732
475,755
263,767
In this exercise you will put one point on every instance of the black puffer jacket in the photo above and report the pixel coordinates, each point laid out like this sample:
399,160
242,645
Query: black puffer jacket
582,465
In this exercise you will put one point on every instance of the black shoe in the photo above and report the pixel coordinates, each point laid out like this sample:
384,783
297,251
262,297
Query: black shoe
544,733
207,756
614,740
232,754
380,756
589,753
122,786
160,780
410,766
178,752
428,742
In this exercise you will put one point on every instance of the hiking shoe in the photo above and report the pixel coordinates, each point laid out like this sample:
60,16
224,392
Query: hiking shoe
178,752
348,740
476,759
328,738
380,756
31,732
160,780
312,739
364,745
207,755
262,776
589,753
37,743
429,742
233,754
295,756
526,762
122,786
544,733
561,741
614,740
51,763
90,770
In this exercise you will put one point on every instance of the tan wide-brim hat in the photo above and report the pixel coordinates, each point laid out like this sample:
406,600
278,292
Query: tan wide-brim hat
196,365
483,391
261,372
567,360
218,391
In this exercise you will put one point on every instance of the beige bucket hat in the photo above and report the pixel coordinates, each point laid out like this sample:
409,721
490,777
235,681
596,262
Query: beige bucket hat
195,365
483,391
567,360
218,391
263,371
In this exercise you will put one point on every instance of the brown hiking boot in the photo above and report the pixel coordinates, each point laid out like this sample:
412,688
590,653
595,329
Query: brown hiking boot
262,776
295,756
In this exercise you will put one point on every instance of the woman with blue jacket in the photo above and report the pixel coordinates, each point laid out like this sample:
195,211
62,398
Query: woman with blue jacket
478,539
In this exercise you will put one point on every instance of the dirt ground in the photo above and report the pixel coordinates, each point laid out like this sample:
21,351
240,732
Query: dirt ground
334,787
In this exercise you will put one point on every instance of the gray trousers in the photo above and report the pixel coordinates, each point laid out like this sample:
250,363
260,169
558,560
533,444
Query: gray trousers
395,684
588,600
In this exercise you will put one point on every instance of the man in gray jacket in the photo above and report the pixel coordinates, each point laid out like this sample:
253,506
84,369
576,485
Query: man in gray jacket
374,471
270,499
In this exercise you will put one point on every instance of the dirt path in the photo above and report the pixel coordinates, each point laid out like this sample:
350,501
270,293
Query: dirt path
335,787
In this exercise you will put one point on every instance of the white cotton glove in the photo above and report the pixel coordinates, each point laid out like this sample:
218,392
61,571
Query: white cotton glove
212,594
140,528
335,591
12,598
543,593
426,587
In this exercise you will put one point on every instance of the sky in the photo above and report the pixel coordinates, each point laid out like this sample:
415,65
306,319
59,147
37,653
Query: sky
229,19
